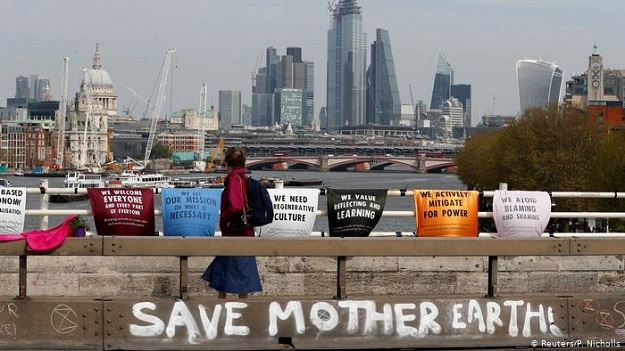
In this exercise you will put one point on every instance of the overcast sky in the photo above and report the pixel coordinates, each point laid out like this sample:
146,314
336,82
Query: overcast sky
219,42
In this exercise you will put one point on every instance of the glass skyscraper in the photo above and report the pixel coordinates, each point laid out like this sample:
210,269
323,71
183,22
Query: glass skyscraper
443,80
283,72
229,107
540,83
347,52
383,103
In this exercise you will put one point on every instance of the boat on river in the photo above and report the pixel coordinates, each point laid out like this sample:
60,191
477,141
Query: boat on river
78,180
197,182
138,179
303,182
5,183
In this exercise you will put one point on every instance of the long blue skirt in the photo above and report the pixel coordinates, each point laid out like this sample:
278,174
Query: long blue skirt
233,274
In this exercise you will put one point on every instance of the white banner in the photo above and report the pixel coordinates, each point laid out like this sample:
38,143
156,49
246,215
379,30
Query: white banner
294,213
521,213
12,210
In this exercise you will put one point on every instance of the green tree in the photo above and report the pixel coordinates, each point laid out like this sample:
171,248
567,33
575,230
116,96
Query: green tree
607,169
160,151
473,161
544,149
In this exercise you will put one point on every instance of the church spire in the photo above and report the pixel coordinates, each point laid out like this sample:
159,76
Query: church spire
96,58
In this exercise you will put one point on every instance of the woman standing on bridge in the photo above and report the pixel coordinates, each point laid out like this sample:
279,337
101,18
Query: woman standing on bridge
233,274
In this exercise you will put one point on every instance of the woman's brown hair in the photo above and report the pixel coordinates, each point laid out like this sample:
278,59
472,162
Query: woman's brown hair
235,157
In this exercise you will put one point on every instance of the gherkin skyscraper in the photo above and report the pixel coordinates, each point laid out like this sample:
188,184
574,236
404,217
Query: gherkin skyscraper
346,66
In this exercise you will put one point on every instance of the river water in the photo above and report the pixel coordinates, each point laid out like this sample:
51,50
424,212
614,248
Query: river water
389,179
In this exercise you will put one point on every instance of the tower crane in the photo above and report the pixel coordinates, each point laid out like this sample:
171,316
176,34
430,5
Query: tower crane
134,102
414,107
255,69
202,114
203,101
158,104
60,142
88,116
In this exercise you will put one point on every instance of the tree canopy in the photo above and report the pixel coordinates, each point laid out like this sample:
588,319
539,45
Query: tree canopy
160,151
556,148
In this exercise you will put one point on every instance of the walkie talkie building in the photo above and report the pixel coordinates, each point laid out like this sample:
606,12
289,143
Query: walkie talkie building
540,83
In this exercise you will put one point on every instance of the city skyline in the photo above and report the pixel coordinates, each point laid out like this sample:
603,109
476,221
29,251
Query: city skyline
219,42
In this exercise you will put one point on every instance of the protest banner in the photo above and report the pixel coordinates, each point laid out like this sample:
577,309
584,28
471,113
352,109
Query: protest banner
446,212
521,213
190,211
12,210
294,213
354,212
124,211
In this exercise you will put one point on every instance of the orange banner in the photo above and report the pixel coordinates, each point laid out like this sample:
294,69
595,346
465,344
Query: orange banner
446,212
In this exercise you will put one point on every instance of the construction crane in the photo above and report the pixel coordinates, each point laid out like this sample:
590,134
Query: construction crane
60,142
88,117
202,114
414,107
255,69
158,104
211,165
128,110
203,102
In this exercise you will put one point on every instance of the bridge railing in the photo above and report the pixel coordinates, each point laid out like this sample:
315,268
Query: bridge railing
150,322
341,248
44,212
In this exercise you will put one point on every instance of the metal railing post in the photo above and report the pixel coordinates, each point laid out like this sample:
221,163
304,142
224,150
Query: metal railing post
184,277
43,187
23,276
341,269
493,267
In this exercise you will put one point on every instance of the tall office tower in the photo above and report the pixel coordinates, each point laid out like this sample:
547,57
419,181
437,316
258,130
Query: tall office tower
383,103
283,72
40,86
346,85
229,108
263,109
443,80
595,84
262,104
288,106
296,53
309,113
291,74
540,83
32,84
271,58
462,92
21,87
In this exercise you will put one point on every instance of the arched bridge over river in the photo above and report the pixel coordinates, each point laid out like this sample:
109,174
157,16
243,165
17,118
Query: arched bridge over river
344,162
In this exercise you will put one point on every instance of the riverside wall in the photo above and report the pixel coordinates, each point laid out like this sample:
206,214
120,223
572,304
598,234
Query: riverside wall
316,276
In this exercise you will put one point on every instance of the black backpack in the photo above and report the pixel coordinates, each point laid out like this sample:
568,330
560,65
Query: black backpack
259,208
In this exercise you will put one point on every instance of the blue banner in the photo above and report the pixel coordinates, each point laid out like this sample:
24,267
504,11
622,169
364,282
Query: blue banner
191,211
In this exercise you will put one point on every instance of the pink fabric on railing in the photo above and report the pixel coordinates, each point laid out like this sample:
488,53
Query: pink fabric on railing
44,240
